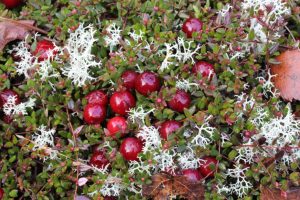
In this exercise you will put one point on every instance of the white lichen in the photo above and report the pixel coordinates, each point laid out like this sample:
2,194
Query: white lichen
81,60
180,51
138,114
186,85
267,85
43,138
204,134
113,36
150,136
12,108
140,167
240,187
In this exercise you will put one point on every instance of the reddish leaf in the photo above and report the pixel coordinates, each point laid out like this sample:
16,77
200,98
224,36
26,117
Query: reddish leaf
287,80
276,194
10,31
165,186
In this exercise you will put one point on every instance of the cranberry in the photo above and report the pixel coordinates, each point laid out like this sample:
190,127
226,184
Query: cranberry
168,127
7,93
129,77
180,101
11,3
192,25
43,49
1,193
130,148
110,198
116,125
206,169
7,118
192,175
121,102
147,82
99,159
94,113
203,68
97,96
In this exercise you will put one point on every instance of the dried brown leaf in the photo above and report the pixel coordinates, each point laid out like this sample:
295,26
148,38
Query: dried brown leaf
276,194
287,80
10,31
165,186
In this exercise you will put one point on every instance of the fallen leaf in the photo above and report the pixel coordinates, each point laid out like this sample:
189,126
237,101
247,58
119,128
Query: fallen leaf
277,194
287,80
82,181
10,31
165,187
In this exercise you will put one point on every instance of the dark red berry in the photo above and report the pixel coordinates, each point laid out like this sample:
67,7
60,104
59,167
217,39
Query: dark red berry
1,193
192,25
7,93
7,119
168,127
179,101
209,167
192,175
130,148
203,68
110,198
129,77
121,102
11,3
97,96
99,159
147,82
94,113
116,125
43,49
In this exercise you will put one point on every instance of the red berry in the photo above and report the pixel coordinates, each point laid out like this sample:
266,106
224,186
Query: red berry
11,3
203,68
180,101
192,175
1,193
130,148
168,127
110,198
97,96
7,119
94,113
7,93
99,159
43,49
147,82
121,102
116,125
129,77
192,25
207,169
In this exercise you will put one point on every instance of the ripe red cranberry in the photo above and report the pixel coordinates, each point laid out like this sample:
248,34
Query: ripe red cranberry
129,77
192,25
94,113
43,49
179,101
7,119
11,3
147,82
205,169
97,96
7,93
120,102
130,148
99,159
203,68
116,125
110,198
1,193
168,127
192,175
